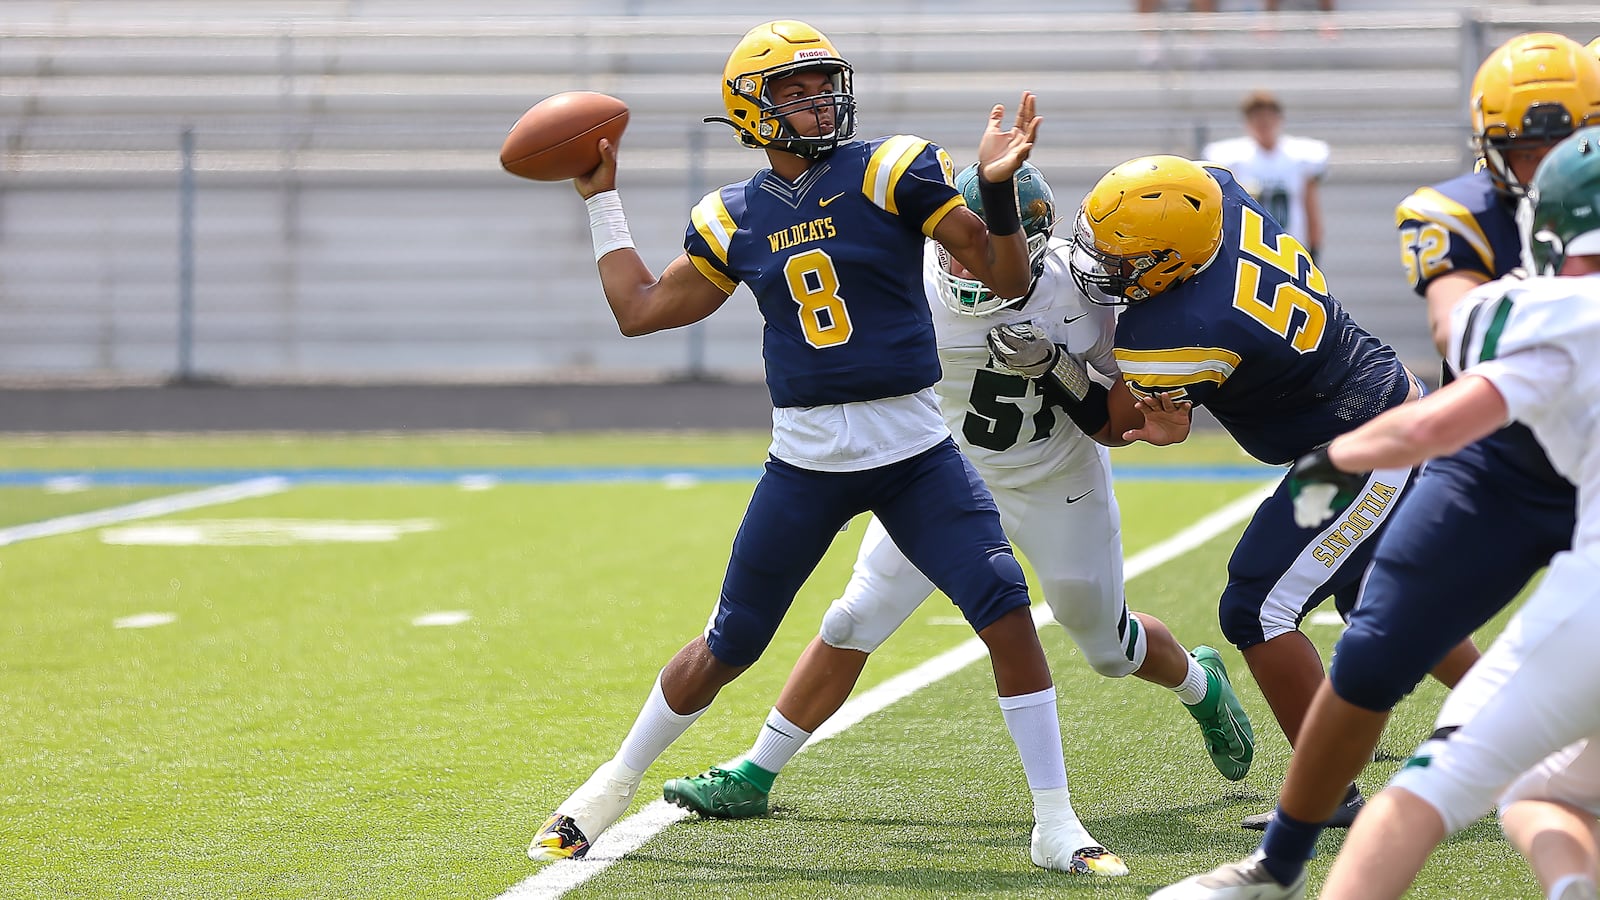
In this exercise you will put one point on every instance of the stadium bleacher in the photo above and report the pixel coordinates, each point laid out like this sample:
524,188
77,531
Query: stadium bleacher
351,220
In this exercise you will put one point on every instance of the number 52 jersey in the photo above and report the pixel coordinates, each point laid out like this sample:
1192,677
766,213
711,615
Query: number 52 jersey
1257,339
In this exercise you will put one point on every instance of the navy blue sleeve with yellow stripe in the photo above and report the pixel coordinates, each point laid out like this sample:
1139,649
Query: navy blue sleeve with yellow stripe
710,235
1460,225
914,179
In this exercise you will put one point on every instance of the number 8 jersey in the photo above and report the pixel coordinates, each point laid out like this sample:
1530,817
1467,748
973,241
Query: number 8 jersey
834,260
1257,339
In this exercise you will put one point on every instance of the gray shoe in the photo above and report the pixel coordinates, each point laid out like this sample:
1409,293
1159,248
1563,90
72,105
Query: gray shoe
1246,879
1343,817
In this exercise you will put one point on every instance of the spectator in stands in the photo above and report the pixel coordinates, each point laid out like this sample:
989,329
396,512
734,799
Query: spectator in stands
1281,171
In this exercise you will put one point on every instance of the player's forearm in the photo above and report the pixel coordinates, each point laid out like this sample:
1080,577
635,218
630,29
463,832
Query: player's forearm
1009,273
627,283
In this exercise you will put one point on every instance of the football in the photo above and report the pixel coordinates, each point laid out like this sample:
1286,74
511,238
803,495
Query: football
559,138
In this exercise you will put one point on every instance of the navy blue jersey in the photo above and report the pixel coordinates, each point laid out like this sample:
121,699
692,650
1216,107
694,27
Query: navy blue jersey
1257,339
835,263
1465,225
1460,225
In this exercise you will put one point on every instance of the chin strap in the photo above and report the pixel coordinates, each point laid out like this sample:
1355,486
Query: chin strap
744,139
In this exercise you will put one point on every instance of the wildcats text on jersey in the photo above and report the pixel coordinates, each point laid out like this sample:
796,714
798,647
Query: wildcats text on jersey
803,233
1361,518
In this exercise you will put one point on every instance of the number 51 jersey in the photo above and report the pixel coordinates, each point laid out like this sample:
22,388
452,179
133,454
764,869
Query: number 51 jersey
834,260
1004,424
1257,339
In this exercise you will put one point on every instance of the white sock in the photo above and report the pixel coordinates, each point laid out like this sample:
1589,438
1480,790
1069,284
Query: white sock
1193,689
1053,809
1580,887
778,742
654,731
1036,730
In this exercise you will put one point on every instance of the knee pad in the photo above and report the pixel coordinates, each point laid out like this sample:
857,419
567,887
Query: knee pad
1373,673
1118,661
841,629
986,593
1111,639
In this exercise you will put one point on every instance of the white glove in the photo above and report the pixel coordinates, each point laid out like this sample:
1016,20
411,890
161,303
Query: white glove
1021,348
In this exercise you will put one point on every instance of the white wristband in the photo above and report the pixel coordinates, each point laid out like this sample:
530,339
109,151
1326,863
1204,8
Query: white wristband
607,225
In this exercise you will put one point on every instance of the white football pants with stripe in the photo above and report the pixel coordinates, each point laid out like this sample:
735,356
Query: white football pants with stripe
1070,530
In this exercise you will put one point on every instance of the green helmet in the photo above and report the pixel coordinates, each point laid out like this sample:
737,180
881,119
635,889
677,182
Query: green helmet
969,296
1565,194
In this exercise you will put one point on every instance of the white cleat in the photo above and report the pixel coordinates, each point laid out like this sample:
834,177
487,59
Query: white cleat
591,809
1069,848
1246,879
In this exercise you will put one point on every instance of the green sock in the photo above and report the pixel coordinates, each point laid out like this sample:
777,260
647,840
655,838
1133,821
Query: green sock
756,775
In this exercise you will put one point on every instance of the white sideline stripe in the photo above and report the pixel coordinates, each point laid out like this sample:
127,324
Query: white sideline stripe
144,509
633,832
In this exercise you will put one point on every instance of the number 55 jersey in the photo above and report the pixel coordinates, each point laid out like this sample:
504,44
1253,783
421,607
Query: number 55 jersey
1257,339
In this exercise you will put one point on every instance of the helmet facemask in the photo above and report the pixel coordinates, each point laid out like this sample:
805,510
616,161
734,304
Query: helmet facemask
1544,125
1107,278
971,297
772,128
1037,208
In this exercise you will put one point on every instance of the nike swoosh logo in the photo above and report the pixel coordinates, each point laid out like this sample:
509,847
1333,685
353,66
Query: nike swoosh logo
1073,319
826,200
781,731
1080,496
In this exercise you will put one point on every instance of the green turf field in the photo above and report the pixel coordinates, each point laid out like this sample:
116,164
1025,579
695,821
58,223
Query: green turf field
292,733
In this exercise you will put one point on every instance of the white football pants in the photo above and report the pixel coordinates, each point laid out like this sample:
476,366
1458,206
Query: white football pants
1523,712
1075,549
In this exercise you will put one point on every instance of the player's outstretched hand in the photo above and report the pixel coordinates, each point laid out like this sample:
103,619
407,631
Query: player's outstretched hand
604,176
1166,421
1321,491
1001,153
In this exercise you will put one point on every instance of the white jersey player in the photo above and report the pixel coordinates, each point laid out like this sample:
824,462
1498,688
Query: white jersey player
1281,171
1523,727
1053,487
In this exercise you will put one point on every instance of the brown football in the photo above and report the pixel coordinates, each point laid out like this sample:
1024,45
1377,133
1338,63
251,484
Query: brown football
559,138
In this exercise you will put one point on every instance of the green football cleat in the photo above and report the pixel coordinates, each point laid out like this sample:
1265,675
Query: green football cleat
1230,740
717,794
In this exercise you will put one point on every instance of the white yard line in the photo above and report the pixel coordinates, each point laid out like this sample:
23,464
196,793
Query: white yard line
633,832
144,509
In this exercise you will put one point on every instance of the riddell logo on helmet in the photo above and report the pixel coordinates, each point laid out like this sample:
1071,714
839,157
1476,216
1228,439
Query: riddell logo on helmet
812,54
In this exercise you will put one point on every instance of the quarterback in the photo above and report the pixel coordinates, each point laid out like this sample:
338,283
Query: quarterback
829,240
1052,485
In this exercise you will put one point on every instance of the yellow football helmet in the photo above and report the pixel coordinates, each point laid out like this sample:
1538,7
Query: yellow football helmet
771,51
1531,92
1594,47
1148,224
